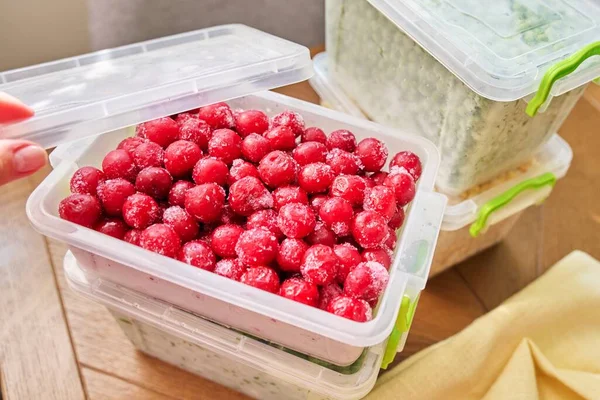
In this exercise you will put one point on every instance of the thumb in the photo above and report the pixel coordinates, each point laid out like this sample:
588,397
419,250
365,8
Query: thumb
19,158
12,110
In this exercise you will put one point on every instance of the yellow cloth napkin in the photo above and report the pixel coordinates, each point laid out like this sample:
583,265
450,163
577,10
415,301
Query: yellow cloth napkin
542,343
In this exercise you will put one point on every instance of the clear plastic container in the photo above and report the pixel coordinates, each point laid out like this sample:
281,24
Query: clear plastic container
220,354
460,73
458,239
246,61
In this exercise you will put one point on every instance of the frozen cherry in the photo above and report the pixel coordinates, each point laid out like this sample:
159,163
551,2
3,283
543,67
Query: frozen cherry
241,169
114,227
372,154
316,177
390,240
133,236
379,177
249,195
154,181
217,115
321,235
119,164
161,239
342,162
290,119
148,154
261,277
310,152
409,161
403,185
379,255
369,229
319,265
349,187
355,309
369,183
281,138
113,193
251,121
337,214
225,145
184,117
178,191
198,254
328,293
140,211
255,147
82,209
162,131
182,223
257,246
86,179
277,169
289,194
229,217
382,200
296,220
181,156
130,144
210,170
317,201
205,202
314,134
366,281
291,253
224,238
342,139
197,131
349,257
299,290
398,219
265,219
231,268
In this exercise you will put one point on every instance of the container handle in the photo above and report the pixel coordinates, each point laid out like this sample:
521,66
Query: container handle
403,322
547,179
557,71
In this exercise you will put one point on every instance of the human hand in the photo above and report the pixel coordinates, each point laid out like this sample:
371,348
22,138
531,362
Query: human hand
18,158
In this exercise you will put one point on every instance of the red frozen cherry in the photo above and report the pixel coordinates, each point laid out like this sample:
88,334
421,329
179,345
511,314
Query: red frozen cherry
114,227
148,154
210,170
82,209
178,191
154,181
321,235
198,254
181,156
205,202
255,147
140,211
398,219
265,219
355,309
372,154
316,177
133,236
249,195
337,213
403,185
379,255
328,293
317,201
369,229
390,240
291,253
366,281
229,217
349,257
251,121
197,131
182,223
299,290
341,139
241,169
290,119
349,187
184,117
281,138
310,152
113,193
319,265
217,115
289,194
162,131
130,144
296,220
382,200
379,177
409,161
257,246
161,239
277,169
86,179
225,145
314,134
119,164
342,162
224,238
261,277
369,183
230,268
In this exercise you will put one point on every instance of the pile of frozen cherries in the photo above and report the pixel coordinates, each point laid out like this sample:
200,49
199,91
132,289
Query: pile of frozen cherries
267,202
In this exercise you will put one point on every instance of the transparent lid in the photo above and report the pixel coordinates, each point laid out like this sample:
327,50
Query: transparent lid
502,48
111,89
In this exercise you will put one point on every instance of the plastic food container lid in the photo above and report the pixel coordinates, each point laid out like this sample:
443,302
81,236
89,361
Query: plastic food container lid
111,89
501,49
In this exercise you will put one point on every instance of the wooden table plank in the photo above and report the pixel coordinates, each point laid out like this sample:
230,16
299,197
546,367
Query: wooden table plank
101,386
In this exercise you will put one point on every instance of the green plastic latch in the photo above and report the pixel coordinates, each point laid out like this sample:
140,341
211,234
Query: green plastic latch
403,322
557,71
547,179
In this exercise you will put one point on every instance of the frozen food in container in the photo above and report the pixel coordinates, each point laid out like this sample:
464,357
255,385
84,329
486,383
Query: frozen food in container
473,221
114,90
461,72
220,354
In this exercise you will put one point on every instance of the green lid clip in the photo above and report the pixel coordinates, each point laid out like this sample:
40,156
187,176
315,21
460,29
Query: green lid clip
403,322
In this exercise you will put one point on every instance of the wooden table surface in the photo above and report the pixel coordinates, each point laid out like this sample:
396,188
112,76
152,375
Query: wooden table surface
57,345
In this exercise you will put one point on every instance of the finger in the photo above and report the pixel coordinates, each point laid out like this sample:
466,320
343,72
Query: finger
20,158
12,110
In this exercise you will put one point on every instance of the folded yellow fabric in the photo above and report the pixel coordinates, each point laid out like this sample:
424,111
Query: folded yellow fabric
542,343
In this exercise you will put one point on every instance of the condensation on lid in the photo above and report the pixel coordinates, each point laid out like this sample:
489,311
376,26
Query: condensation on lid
111,89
